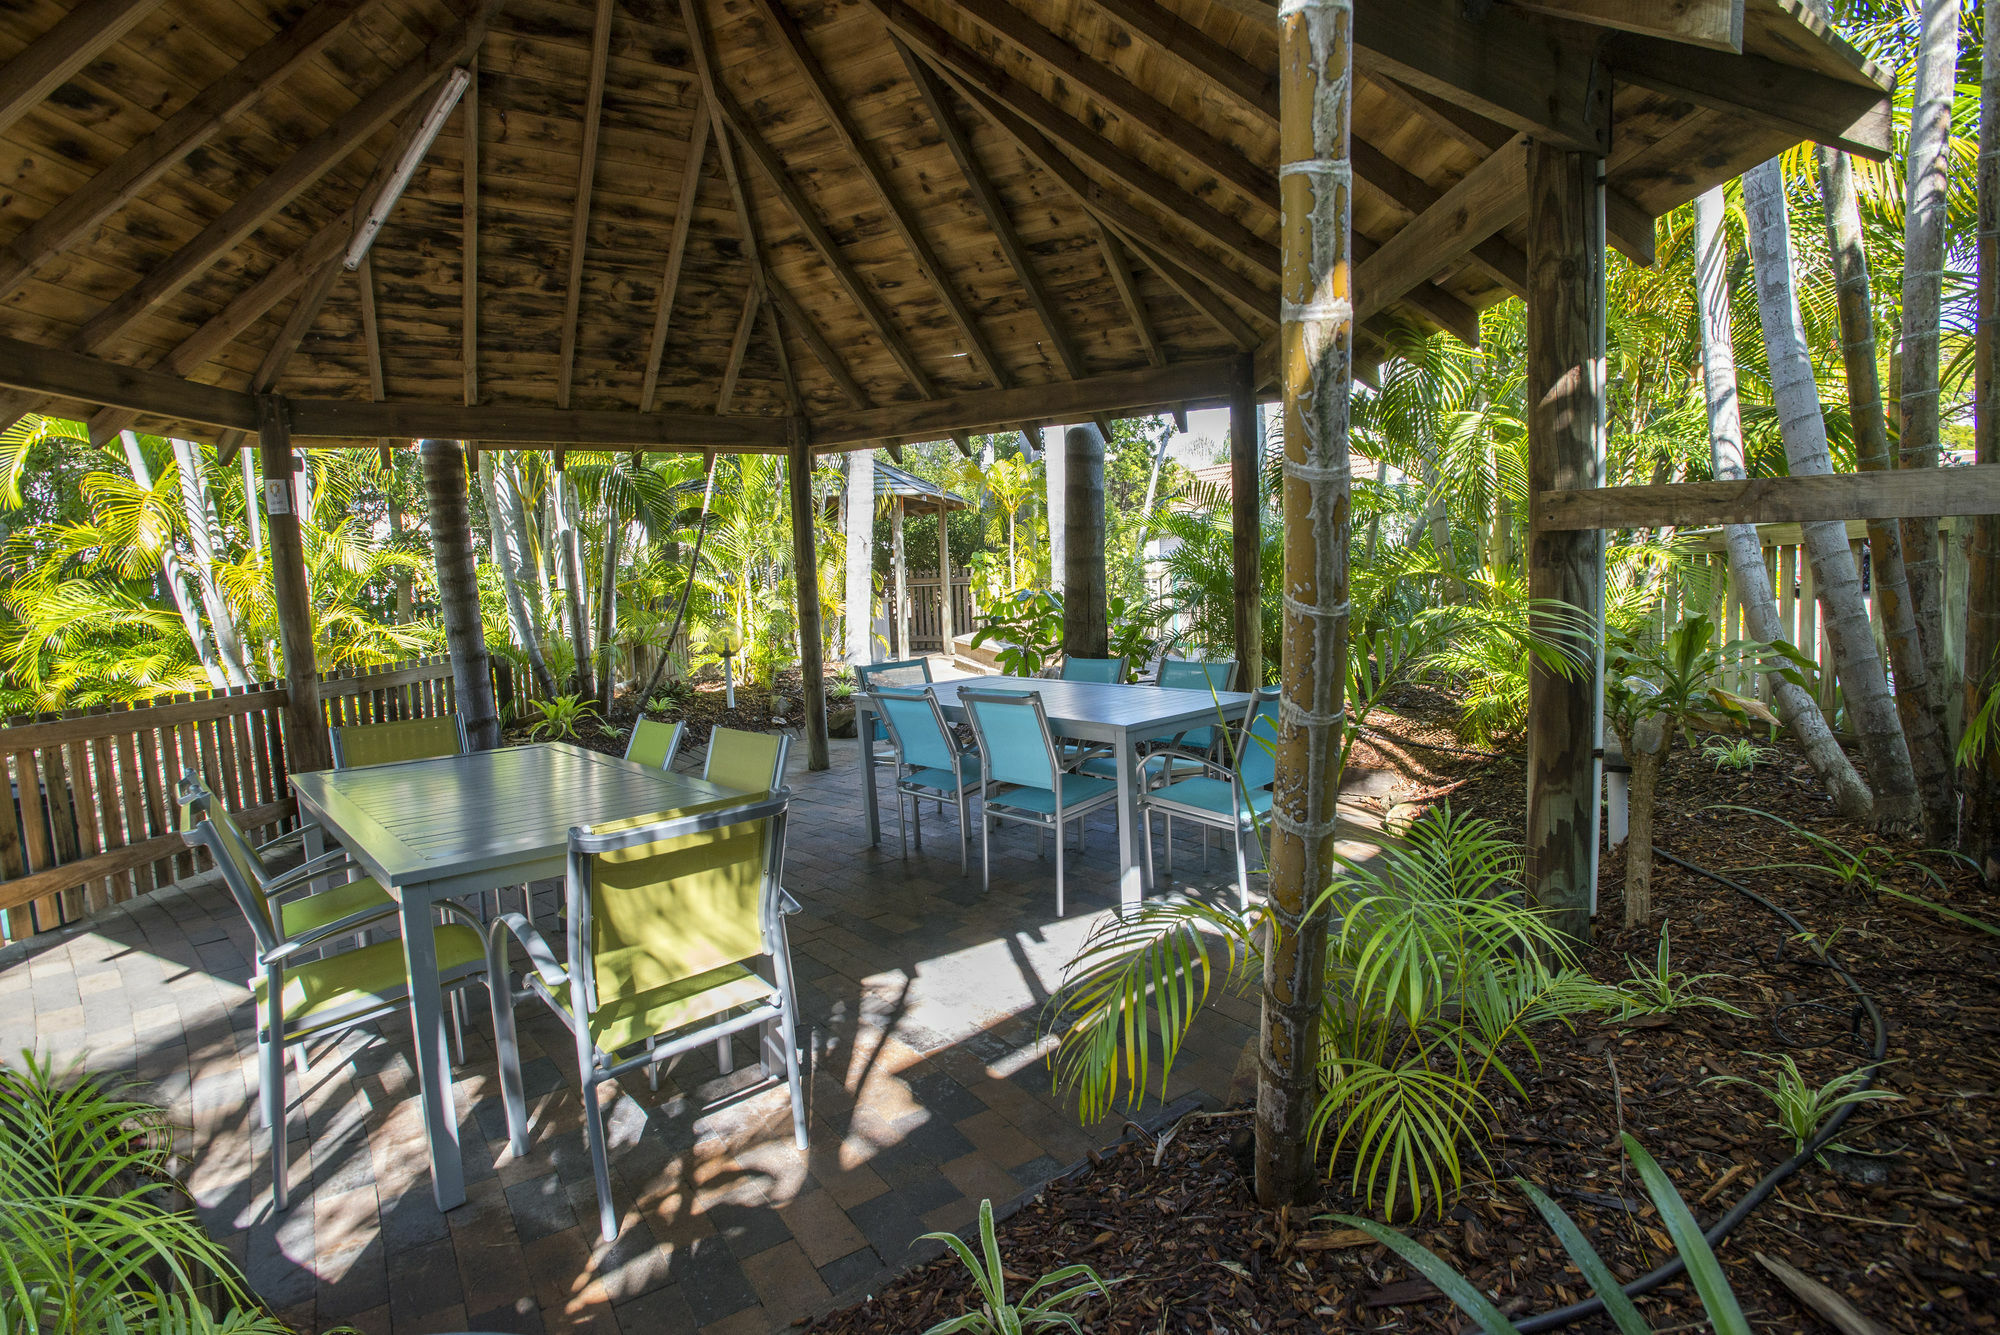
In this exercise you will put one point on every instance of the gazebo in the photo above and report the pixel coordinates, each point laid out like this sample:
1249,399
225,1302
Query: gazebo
772,225
906,491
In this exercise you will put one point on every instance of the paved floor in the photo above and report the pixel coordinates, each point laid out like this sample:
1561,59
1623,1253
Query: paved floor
929,1093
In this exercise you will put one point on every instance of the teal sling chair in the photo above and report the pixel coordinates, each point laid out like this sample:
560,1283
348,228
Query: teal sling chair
1218,798
1025,781
936,766
666,917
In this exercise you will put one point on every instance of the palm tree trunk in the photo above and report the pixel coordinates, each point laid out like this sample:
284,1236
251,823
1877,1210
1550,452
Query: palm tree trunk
607,609
405,594
570,573
858,598
1979,784
1929,174
458,590
1315,40
1796,396
1915,690
514,554
174,579
680,612
204,529
1746,558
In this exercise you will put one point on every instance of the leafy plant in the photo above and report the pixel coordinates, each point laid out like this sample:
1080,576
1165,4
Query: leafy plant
1436,967
1028,626
1718,1299
1134,633
1868,869
997,1316
1738,754
1663,990
93,1242
562,717
1803,1108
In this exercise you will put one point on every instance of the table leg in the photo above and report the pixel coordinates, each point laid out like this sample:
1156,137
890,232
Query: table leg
864,729
1131,874
427,1020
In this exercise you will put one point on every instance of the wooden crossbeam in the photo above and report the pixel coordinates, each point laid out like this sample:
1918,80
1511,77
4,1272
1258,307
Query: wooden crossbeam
172,140
1499,258
970,71
42,372
1119,266
586,182
1486,199
739,347
74,41
1200,54
670,280
1915,493
1502,66
354,422
1851,116
1716,24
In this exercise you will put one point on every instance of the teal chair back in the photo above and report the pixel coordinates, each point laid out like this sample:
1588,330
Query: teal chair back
1187,675
918,728
1257,743
654,743
1013,736
902,672
1109,670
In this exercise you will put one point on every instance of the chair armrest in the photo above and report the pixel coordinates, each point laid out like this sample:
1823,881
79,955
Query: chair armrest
319,936
551,970
302,876
291,837
786,904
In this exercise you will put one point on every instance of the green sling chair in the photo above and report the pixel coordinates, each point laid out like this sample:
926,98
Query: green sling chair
300,999
667,915
360,745
655,743
746,762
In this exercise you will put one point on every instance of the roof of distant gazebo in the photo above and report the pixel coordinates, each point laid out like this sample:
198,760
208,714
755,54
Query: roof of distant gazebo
907,486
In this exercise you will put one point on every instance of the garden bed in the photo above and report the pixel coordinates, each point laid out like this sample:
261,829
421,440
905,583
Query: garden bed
1900,1229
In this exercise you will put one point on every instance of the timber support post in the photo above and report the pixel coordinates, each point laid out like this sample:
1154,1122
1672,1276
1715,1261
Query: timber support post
1565,392
1246,527
458,589
946,621
805,567
306,744
1086,632
899,611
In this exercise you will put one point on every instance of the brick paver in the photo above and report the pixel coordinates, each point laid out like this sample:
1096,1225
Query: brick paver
922,999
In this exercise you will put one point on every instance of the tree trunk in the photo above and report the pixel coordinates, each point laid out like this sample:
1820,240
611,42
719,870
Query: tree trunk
458,590
1316,340
204,527
687,589
1979,822
405,594
1796,397
1929,175
1747,573
858,603
1915,691
1645,748
514,554
805,571
174,581
607,609
570,568
1085,631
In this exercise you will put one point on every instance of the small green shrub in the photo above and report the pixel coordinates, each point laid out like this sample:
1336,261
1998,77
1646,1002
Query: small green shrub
1868,869
996,1315
1803,1108
562,717
1738,754
1661,990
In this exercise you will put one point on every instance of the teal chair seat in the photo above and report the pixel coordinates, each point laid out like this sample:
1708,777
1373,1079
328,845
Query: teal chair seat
929,761
1077,789
943,780
1237,802
1217,796
1025,780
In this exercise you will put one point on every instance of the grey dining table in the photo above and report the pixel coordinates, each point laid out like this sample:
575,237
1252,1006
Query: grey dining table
452,826
1120,716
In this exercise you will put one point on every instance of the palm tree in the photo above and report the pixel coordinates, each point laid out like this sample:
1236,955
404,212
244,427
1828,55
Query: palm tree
458,590
859,514
1013,483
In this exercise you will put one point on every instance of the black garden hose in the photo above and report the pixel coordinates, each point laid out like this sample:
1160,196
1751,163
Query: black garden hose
1757,1195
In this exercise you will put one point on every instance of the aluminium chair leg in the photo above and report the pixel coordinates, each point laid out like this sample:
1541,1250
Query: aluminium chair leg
1059,870
271,1094
917,820
506,1048
301,1060
653,1068
725,1055
1242,873
985,849
964,862
1146,842
600,1163
794,1078
458,1026
1170,843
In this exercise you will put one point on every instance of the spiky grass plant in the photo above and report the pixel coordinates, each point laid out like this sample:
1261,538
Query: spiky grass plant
998,1316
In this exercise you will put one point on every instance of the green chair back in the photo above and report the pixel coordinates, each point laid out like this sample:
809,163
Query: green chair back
749,762
655,743
359,745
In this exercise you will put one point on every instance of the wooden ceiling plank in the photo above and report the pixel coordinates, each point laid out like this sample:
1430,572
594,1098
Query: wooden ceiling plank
794,404
274,192
1141,109
1487,199
586,184
1716,24
52,59
1502,66
1848,116
1201,54
794,315
1120,267
1195,290
468,329
833,104
269,66
670,280
969,70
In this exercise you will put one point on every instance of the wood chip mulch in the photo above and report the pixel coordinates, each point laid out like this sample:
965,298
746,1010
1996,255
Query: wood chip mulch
1901,1228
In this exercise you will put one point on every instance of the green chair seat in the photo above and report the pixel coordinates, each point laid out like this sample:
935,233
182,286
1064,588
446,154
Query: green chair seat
329,990
306,915
661,1010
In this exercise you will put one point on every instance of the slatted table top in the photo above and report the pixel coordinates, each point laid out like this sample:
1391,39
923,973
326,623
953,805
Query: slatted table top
419,819
1077,704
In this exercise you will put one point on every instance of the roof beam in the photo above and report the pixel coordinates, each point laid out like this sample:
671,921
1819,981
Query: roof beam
1503,66
1716,24
586,182
362,424
1916,493
670,280
1121,392
43,372
354,127
1500,259
1256,183
970,71
171,140
1196,290
833,104
1486,200
1201,54
1119,265
739,348
1845,115
76,39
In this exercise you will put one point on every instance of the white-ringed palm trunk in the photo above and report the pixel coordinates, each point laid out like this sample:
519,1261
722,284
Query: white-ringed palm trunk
1796,396
513,553
569,569
174,578
1747,573
204,530
1979,821
857,617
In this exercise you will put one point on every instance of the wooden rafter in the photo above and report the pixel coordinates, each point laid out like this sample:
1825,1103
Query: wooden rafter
586,180
1499,258
371,340
1487,199
1199,53
969,70
73,42
670,280
1848,116
468,224
172,140
312,298
746,325
1717,24
1120,267
1196,290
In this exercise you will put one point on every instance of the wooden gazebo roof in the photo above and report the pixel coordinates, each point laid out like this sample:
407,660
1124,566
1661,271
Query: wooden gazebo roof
697,223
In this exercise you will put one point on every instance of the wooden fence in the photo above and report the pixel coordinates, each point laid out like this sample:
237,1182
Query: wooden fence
92,817
1703,585
927,610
